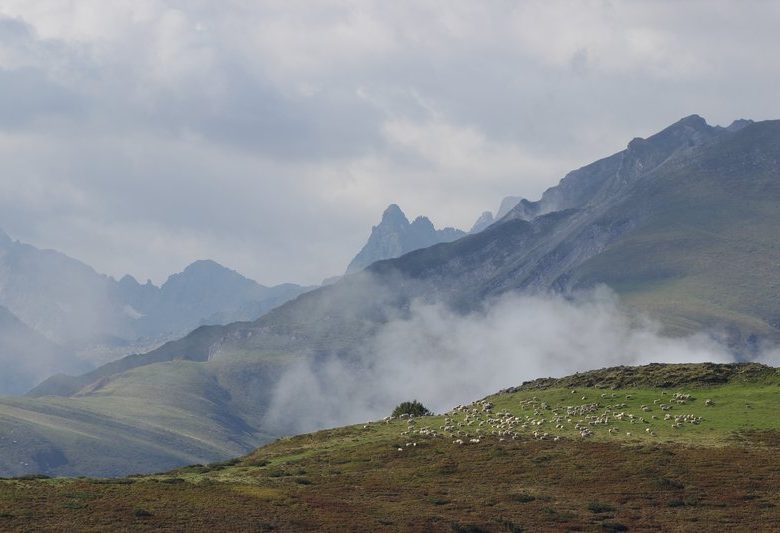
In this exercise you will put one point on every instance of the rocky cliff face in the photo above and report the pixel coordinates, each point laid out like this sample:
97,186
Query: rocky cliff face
395,236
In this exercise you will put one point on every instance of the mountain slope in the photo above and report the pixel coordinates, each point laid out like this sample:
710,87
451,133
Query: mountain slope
395,236
26,357
685,233
58,296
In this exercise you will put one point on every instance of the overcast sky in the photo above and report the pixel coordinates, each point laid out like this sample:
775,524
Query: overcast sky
141,135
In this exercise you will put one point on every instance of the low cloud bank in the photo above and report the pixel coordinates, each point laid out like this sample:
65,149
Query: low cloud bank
443,358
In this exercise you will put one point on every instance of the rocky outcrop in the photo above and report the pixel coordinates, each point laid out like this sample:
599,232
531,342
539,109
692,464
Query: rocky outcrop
395,236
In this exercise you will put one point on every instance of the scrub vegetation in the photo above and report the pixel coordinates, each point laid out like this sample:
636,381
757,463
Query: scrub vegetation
487,466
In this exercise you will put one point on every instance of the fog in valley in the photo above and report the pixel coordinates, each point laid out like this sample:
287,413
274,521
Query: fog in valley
443,358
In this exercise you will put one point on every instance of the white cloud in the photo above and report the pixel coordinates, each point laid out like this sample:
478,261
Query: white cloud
444,358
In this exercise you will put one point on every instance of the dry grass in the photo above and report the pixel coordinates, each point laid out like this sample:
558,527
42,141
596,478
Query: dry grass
357,479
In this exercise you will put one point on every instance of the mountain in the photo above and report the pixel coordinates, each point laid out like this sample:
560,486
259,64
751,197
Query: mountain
70,303
687,447
94,319
60,297
395,235
204,293
682,225
484,220
487,217
27,357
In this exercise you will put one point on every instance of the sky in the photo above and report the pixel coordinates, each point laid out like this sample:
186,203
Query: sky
141,135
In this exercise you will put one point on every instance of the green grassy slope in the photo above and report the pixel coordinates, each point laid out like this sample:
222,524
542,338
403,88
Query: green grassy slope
153,417
708,255
514,471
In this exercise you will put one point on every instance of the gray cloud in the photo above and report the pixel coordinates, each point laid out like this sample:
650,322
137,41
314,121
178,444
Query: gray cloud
28,96
139,136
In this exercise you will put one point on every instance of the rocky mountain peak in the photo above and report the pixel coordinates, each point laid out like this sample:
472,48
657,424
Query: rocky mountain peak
423,224
207,275
484,220
128,281
506,205
395,236
393,215
687,131
739,124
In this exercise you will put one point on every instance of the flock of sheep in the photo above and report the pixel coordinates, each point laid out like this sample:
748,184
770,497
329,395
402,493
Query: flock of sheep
471,424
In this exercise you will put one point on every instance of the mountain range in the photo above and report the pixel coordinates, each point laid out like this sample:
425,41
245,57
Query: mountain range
80,318
682,225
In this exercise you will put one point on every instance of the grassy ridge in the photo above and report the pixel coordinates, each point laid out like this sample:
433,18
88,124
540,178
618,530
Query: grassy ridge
403,474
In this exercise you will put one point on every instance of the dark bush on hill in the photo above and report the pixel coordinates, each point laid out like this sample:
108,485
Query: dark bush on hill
411,408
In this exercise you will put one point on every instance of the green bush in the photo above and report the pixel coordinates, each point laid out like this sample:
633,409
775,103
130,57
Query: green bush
599,507
414,408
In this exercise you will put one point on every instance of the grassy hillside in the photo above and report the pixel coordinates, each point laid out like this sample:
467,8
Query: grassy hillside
675,447
153,417
708,255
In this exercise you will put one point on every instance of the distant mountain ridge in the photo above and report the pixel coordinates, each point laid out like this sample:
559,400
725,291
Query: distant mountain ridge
205,292
395,236
487,218
97,318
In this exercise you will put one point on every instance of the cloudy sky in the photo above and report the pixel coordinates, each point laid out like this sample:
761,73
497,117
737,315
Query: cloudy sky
140,135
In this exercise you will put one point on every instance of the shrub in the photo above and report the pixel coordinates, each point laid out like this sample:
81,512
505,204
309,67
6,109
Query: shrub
614,526
598,507
411,408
